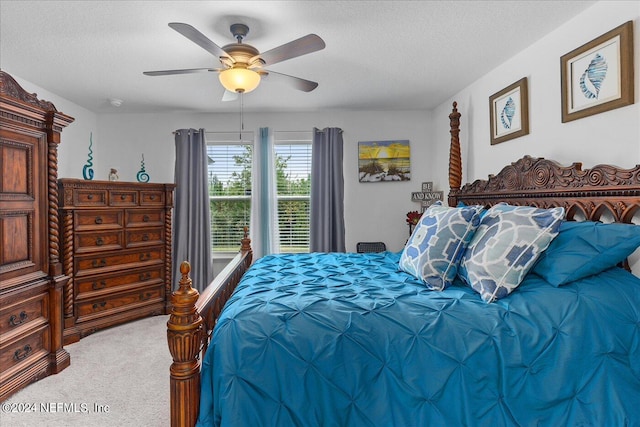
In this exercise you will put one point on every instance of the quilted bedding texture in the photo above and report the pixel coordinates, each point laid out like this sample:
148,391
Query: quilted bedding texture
348,340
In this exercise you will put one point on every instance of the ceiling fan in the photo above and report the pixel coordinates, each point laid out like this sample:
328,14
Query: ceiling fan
242,64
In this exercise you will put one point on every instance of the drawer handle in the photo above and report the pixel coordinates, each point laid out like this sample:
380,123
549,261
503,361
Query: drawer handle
99,305
144,276
19,319
99,241
98,220
22,353
122,197
145,237
90,197
145,218
100,263
101,285
145,296
144,257
153,197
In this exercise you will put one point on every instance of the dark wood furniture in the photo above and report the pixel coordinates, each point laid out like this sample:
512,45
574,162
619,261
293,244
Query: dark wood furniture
117,252
31,276
604,192
601,192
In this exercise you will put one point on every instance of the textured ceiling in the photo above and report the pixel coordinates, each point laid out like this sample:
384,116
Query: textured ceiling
379,55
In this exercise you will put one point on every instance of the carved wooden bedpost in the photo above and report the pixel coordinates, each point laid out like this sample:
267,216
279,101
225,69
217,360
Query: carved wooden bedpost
455,159
245,242
184,334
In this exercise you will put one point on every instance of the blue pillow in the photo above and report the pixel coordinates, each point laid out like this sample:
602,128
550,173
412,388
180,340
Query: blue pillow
433,251
505,247
586,248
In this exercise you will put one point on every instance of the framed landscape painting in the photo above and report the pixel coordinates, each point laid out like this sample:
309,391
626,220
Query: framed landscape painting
384,161
509,112
598,76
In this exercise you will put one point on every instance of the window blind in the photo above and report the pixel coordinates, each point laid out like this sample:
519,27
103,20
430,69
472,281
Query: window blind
293,176
230,163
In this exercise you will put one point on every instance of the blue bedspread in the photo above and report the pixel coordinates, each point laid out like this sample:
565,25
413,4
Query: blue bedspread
347,340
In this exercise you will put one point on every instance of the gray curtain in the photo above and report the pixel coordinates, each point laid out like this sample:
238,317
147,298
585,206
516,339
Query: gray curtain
191,219
327,192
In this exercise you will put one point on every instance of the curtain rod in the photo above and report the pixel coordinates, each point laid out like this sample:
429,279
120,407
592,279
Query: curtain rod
278,131
292,131
322,130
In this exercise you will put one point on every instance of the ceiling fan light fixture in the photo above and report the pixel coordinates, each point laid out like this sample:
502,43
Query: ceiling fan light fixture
240,80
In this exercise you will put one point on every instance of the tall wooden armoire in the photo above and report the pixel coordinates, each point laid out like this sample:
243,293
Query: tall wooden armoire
31,278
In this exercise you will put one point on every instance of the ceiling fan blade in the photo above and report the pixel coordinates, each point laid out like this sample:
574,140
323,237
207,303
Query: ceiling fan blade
307,44
229,96
171,72
296,82
200,39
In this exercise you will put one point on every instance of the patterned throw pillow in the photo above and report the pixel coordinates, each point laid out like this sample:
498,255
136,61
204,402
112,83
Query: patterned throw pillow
505,246
434,249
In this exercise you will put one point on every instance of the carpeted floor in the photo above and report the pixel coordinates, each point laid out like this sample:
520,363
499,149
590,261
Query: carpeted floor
118,377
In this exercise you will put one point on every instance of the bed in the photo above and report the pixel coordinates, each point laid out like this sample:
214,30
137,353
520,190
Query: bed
353,339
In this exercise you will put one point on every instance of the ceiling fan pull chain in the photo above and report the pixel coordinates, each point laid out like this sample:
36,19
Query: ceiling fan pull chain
241,114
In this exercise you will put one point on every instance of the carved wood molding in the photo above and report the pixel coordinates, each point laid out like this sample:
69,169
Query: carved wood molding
9,87
604,192
455,159
168,272
67,262
54,228
537,174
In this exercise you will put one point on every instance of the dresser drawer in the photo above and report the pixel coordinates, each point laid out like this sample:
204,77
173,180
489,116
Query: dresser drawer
89,197
22,313
93,241
111,282
151,198
144,237
97,219
123,198
144,217
25,350
117,261
111,304
117,254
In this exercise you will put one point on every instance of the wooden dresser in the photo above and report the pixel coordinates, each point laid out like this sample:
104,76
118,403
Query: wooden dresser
31,277
117,252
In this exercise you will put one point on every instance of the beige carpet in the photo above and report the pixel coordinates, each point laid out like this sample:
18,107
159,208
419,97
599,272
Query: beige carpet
118,377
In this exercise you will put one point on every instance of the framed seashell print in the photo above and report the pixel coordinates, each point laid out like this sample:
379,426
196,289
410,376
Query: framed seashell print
598,76
509,112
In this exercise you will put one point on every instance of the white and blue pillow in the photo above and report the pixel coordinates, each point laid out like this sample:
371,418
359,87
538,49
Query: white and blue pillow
505,246
434,249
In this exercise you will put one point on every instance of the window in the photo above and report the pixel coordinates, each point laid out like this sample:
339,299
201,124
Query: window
293,176
230,164
230,190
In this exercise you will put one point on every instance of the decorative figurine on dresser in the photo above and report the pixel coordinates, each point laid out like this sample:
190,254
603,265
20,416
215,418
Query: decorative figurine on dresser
31,274
117,252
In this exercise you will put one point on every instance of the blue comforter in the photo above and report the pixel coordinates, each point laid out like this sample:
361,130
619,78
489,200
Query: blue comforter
347,340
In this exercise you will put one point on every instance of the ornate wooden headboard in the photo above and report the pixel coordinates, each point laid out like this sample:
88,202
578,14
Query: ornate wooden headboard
604,192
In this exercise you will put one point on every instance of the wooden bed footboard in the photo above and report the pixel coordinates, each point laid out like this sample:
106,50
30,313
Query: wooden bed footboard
189,328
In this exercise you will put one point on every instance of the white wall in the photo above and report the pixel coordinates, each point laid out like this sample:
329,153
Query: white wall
73,150
377,211
611,137
373,211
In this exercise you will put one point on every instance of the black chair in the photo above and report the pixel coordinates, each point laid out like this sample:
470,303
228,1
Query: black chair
365,247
